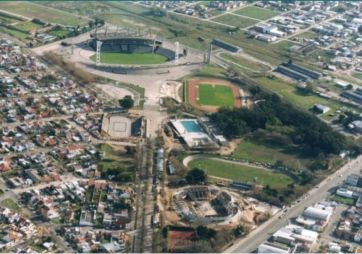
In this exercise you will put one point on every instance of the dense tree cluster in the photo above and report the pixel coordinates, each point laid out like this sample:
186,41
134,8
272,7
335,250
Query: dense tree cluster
196,176
306,129
127,102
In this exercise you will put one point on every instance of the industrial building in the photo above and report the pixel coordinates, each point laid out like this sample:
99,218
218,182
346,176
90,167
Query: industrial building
316,217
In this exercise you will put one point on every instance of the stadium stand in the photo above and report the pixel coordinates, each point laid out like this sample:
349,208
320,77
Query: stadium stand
352,96
302,70
358,91
290,73
225,45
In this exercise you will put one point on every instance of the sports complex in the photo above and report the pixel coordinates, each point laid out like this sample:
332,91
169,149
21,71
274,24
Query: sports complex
211,94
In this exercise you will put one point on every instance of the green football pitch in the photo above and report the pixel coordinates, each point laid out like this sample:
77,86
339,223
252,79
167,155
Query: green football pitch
130,58
215,95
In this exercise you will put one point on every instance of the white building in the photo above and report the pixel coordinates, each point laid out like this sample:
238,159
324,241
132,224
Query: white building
272,248
344,193
292,234
318,212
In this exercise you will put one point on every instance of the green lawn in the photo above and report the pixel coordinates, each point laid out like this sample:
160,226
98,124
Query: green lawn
32,10
130,58
27,26
215,95
292,94
306,35
241,173
234,20
11,204
60,33
245,62
357,75
8,19
346,201
257,12
17,34
270,150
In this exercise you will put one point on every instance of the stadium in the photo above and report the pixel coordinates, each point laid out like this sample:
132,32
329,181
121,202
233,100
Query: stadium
205,205
122,46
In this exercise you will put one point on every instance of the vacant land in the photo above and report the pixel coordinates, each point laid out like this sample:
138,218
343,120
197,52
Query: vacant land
357,75
250,65
268,150
241,173
342,200
60,33
234,20
11,204
17,34
27,26
215,95
32,10
257,12
297,97
130,58
8,19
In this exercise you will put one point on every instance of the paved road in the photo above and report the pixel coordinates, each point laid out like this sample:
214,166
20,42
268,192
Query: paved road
262,233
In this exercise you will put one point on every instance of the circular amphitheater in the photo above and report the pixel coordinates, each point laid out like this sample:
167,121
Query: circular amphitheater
205,205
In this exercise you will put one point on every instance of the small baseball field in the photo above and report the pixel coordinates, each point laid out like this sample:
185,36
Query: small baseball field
215,95
130,58
211,94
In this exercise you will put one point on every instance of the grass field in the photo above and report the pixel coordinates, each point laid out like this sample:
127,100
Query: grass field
127,58
27,26
241,173
292,94
357,75
11,204
114,159
261,149
8,19
234,20
215,95
32,10
346,201
256,12
245,62
17,34
306,35
59,33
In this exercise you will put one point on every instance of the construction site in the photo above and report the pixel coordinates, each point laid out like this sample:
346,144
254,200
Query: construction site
213,206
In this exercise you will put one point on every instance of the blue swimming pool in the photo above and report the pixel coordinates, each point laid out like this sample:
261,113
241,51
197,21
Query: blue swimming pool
191,126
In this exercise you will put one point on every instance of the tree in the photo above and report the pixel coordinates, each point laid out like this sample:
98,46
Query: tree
99,22
305,177
127,102
91,23
196,176
205,233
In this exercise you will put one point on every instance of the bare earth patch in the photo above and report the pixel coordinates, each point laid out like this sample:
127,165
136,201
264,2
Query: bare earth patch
114,91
